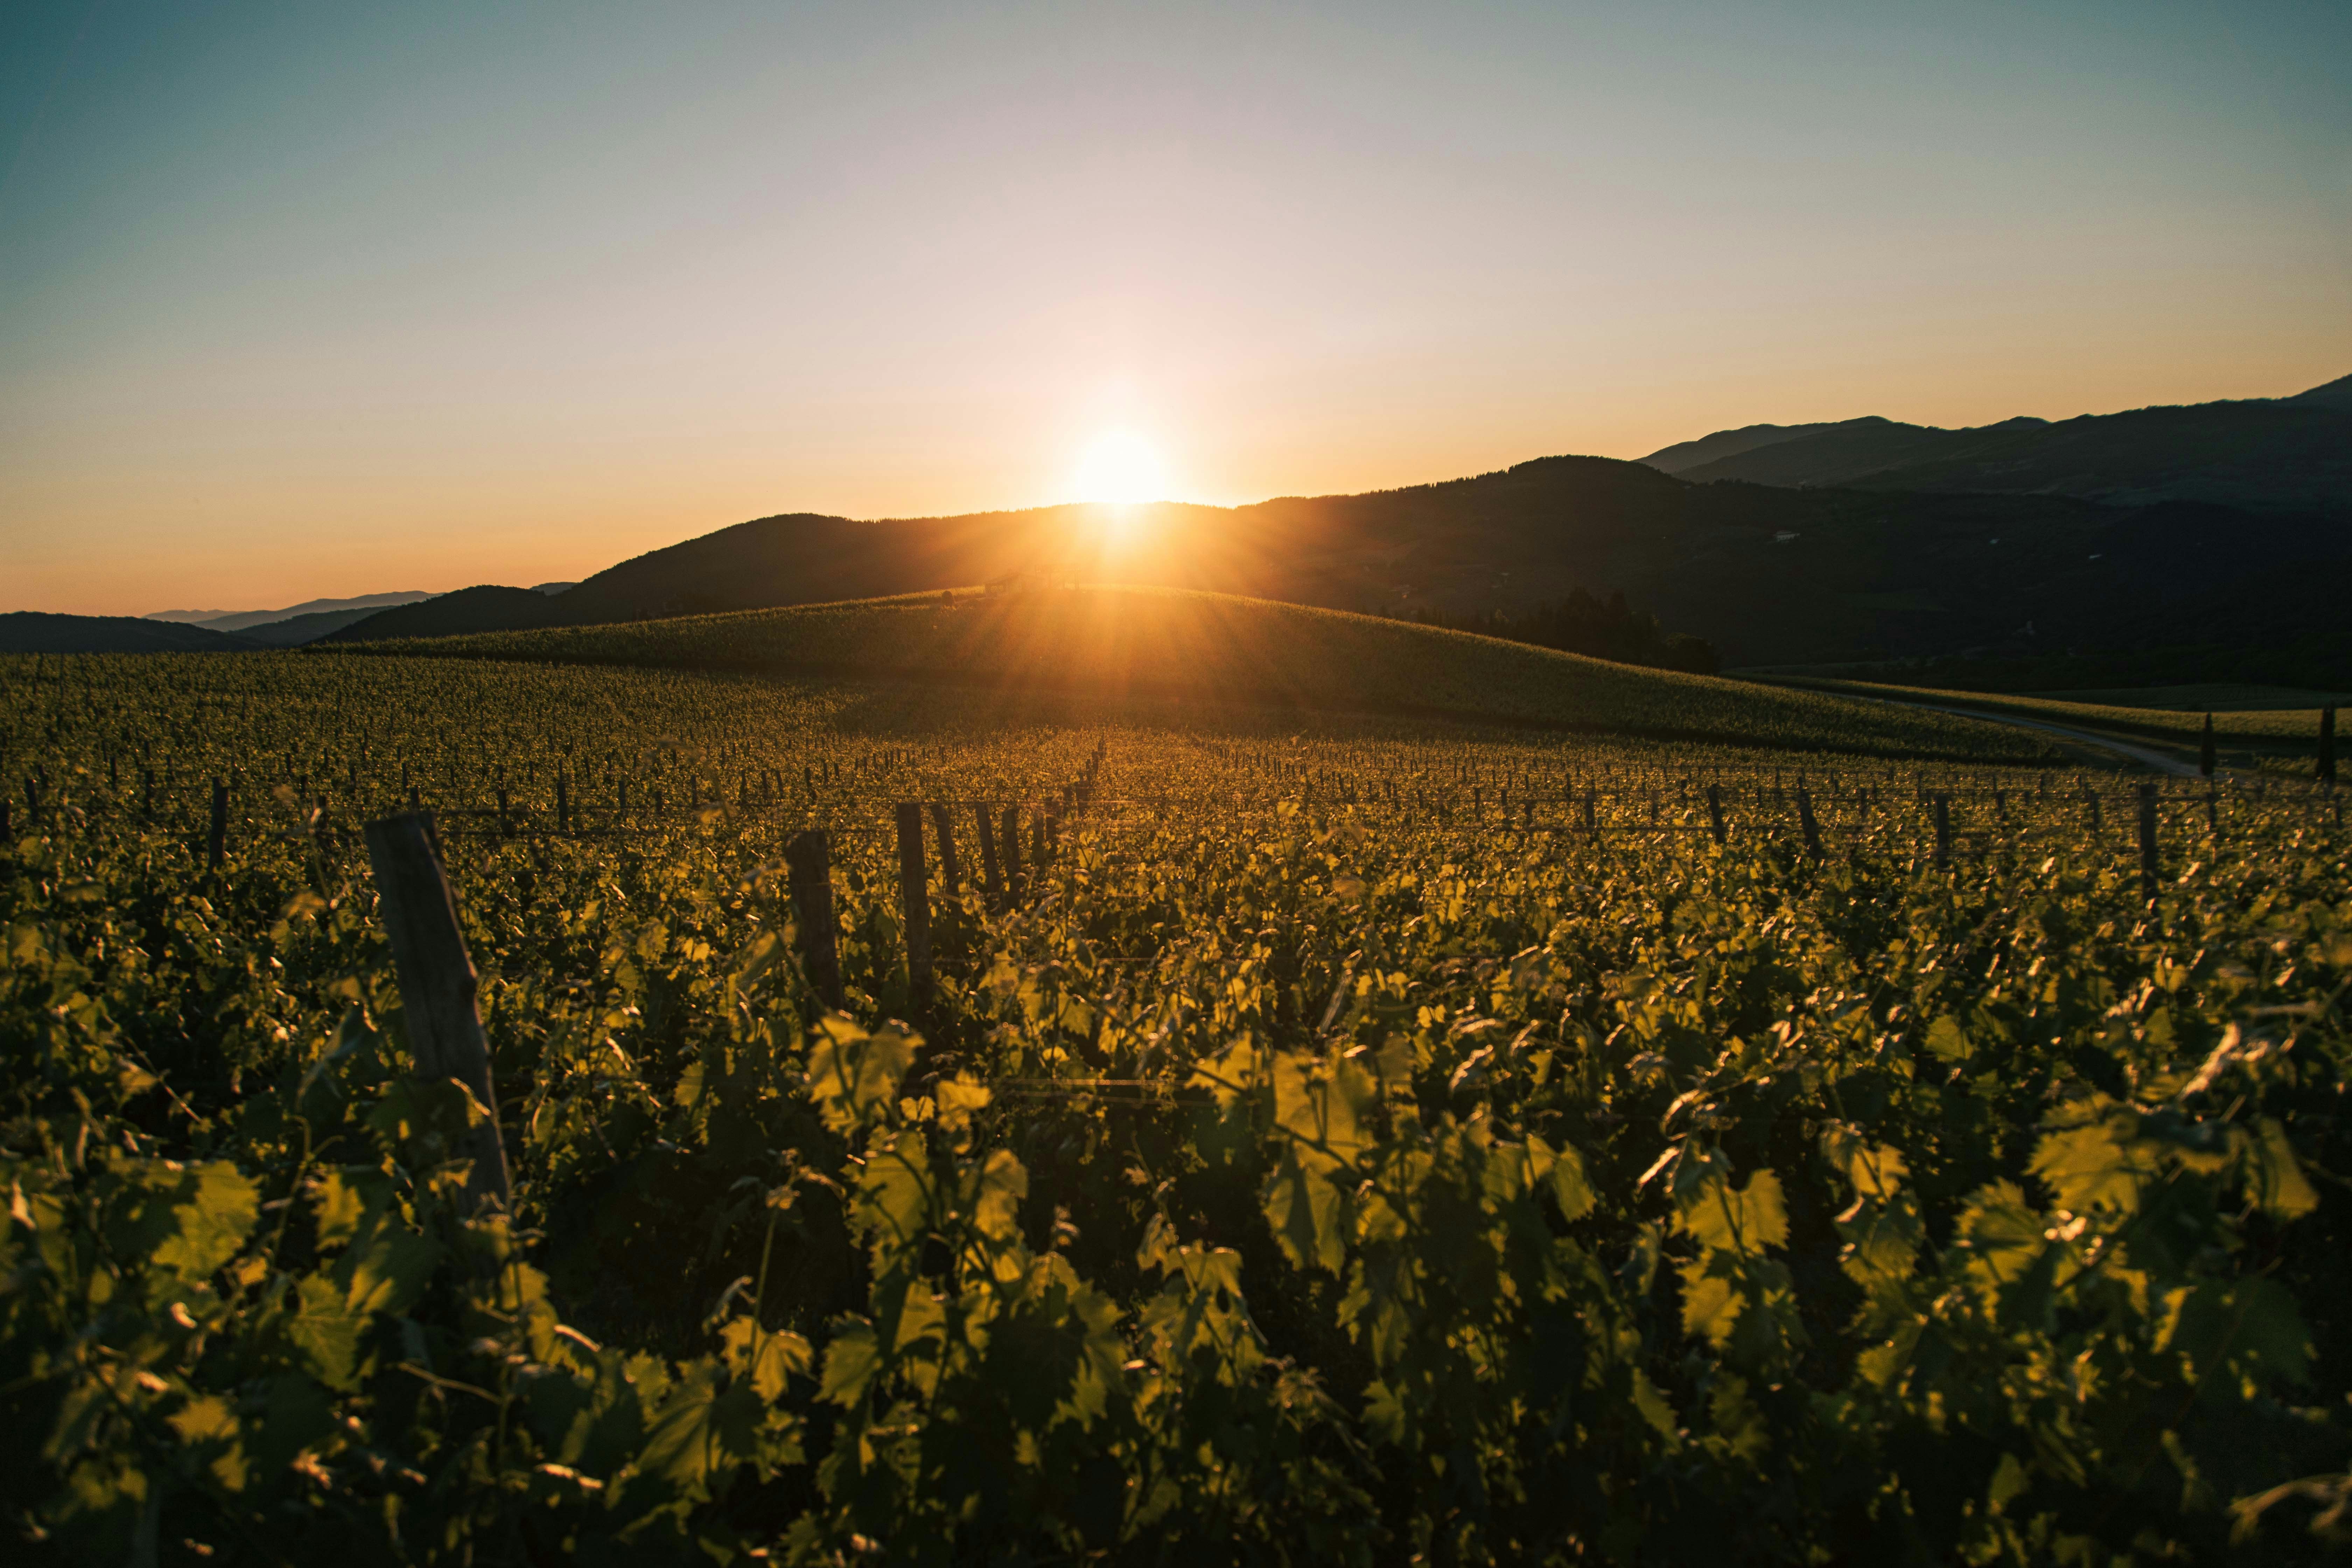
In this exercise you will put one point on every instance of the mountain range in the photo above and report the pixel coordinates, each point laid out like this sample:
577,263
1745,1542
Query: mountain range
2222,525
2279,455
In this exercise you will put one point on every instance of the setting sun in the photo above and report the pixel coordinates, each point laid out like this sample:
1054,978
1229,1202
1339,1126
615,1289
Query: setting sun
1120,466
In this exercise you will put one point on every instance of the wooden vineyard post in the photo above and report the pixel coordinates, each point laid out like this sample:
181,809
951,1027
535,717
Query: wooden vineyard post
1591,828
2327,746
2213,813
2148,862
438,986
2205,749
808,863
216,842
1715,811
1941,805
992,873
562,806
504,829
1014,887
1812,830
2091,798
950,875
915,900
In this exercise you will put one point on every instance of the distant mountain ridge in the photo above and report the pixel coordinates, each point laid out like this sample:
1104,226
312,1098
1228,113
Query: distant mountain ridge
238,620
2286,453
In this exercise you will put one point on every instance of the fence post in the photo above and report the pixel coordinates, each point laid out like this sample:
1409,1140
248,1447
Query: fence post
217,843
808,864
436,985
562,805
2327,745
1805,820
991,874
1715,811
2205,749
2148,867
2091,798
950,875
915,900
1014,887
1942,808
1591,828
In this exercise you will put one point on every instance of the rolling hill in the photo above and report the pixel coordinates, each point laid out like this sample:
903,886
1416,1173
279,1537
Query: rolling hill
2275,455
484,608
1769,575
1149,647
32,631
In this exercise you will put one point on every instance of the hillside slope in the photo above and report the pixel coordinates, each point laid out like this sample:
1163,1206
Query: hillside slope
1159,645
31,631
484,608
2261,455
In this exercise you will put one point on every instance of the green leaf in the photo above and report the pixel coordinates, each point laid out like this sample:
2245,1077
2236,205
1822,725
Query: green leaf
2276,1176
325,1333
2095,1165
853,1075
851,1361
209,1230
1305,1212
1743,1221
1946,1041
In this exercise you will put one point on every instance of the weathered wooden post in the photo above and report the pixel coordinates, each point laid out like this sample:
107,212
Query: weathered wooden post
915,900
1015,886
808,865
950,875
2147,860
2091,798
562,805
1812,830
2205,749
1591,826
2213,813
437,986
1715,812
1941,805
217,843
504,829
992,874
2327,745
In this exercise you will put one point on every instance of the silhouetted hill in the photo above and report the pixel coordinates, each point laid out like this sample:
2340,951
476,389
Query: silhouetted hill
2337,394
2291,454
480,609
296,630
1683,454
1766,574
29,631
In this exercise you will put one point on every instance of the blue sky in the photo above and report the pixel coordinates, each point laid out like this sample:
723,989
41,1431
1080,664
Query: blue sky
324,299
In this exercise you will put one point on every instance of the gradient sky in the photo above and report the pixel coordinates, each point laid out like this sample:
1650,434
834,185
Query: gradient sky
322,299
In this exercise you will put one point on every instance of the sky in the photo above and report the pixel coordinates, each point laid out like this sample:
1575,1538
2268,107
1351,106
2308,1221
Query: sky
320,300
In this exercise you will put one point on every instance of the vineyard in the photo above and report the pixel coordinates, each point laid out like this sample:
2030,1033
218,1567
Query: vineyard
1216,1134
1125,646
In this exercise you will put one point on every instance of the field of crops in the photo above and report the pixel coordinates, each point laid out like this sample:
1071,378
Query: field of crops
2268,728
1137,645
1337,1140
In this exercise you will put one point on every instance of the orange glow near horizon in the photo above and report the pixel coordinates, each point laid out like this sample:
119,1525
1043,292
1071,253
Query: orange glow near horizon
384,299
